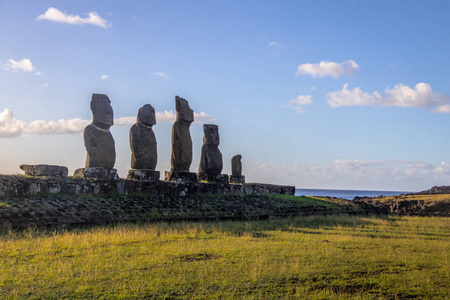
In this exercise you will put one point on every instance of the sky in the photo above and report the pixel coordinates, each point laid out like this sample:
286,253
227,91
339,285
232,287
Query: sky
316,94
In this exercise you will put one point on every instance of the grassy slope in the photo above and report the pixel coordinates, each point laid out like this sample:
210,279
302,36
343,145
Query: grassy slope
61,210
314,257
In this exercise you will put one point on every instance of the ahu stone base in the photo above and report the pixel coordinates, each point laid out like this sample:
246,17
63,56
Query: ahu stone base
19,186
221,178
45,170
180,176
237,179
96,173
143,174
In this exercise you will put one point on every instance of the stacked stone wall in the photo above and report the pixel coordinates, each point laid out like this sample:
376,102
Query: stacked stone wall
17,185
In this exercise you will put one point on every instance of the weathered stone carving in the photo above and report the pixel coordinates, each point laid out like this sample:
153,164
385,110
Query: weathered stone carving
211,163
45,170
98,140
181,143
236,170
143,146
236,165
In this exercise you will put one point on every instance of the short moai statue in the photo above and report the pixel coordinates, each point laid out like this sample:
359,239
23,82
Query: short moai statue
99,143
144,154
181,144
236,170
211,163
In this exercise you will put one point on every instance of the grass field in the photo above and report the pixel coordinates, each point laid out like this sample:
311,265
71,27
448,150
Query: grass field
313,257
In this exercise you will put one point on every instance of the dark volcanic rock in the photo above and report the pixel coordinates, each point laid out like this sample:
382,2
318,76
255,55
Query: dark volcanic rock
45,170
143,141
211,159
98,140
181,137
236,165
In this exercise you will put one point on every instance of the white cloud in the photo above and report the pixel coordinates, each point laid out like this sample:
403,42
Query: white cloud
353,174
161,74
104,77
328,68
354,97
43,86
421,96
276,44
23,65
55,15
11,127
38,73
297,103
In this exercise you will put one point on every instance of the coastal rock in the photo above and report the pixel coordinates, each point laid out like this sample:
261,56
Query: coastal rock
45,170
211,159
98,140
143,141
181,137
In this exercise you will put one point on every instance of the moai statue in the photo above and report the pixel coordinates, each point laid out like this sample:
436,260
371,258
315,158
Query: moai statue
236,170
181,144
99,143
143,146
211,159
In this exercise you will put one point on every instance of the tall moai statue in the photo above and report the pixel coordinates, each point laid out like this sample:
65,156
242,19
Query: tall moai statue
181,143
236,170
99,143
144,154
211,163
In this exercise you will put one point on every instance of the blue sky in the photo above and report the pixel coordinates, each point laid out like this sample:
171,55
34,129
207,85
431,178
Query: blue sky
317,94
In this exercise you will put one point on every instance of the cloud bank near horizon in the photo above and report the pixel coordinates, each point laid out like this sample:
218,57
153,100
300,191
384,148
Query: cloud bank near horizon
55,15
397,175
421,96
10,127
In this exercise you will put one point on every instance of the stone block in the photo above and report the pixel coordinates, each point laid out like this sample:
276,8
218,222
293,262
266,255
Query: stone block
180,176
97,173
221,178
45,170
237,179
143,174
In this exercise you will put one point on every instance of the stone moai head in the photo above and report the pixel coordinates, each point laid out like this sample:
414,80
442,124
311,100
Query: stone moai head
236,165
184,112
211,134
146,115
101,110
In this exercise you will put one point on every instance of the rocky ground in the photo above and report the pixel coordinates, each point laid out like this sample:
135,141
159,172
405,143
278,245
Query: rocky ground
59,210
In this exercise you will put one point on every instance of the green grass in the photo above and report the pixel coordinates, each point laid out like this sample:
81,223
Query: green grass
314,257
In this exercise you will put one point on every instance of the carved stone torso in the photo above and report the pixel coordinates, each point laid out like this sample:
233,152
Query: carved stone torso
100,147
181,146
211,160
143,147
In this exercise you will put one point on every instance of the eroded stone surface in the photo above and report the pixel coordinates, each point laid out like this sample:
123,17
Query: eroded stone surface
181,137
96,173
98,140
236,165
142,174
143,141
211,159
45,170
237,179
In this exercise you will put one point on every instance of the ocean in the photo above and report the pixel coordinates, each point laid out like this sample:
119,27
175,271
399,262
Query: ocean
345,194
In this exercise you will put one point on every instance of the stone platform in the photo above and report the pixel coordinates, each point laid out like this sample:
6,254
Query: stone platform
16,185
